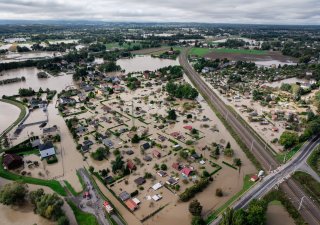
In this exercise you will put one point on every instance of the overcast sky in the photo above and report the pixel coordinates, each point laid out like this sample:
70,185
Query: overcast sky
211,11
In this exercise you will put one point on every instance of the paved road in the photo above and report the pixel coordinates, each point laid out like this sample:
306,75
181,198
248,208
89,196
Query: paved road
96,201
260,149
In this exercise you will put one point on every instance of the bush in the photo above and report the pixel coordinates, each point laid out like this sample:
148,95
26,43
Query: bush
63,220
288,139
228,152
191,191
13,193
163,167
52,159
219,192
195,208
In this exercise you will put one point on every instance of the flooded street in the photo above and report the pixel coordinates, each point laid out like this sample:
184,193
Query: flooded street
145,62
5,110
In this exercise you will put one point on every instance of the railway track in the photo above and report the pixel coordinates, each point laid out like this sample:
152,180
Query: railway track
310,211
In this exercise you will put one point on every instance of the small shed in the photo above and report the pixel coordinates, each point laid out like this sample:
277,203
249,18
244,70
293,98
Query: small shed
157,186
124,196
140,181
156,154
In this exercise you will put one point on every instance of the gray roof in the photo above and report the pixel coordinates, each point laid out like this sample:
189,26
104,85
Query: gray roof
45,146
124,196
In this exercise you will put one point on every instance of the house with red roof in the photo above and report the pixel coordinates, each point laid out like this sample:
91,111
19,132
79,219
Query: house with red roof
254,178
188,128
156,154
175,134
108,207
176,166
131,165
186,171
131,204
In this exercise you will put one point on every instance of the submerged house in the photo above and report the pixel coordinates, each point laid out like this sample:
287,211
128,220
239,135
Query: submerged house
12,161
47,150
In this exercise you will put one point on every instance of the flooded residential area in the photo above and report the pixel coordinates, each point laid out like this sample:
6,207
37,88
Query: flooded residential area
158,123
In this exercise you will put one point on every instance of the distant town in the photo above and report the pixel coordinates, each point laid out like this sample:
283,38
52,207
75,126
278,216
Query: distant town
146,123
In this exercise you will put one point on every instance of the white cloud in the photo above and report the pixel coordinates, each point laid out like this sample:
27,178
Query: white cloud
227,11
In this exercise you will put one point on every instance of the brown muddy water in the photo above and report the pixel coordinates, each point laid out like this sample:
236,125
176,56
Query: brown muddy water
53,83
5,110
145,62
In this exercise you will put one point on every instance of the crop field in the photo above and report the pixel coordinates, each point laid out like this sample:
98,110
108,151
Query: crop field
240,51
199,51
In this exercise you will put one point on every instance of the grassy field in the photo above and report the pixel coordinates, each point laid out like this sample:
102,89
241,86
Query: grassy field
275,202
247,184
71,189
82,218
53,184
239,51
309,184
288,155
22,114
199,51
314,160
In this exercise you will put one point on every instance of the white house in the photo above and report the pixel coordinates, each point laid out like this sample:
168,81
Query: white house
47,150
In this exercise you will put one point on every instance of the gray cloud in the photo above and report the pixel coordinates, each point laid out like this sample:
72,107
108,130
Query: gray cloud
227,11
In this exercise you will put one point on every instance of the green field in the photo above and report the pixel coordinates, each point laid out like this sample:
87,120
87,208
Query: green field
314,160
288,155
82,218
309,184
247,184
239,51
53,184
199,51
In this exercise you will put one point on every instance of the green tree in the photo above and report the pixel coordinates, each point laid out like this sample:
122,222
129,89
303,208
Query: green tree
219,192
237,162
197,220
228,152
256,212
172,114
288,139
47,205
195,208
63,220
135,139
117,164
91,169
13,193
100,154
163,167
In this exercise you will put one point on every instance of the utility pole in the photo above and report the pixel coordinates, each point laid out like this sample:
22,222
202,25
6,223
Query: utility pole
132,113
251,146
300,205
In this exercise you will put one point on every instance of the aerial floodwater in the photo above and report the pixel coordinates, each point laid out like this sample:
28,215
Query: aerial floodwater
53,83
5,110
145,62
